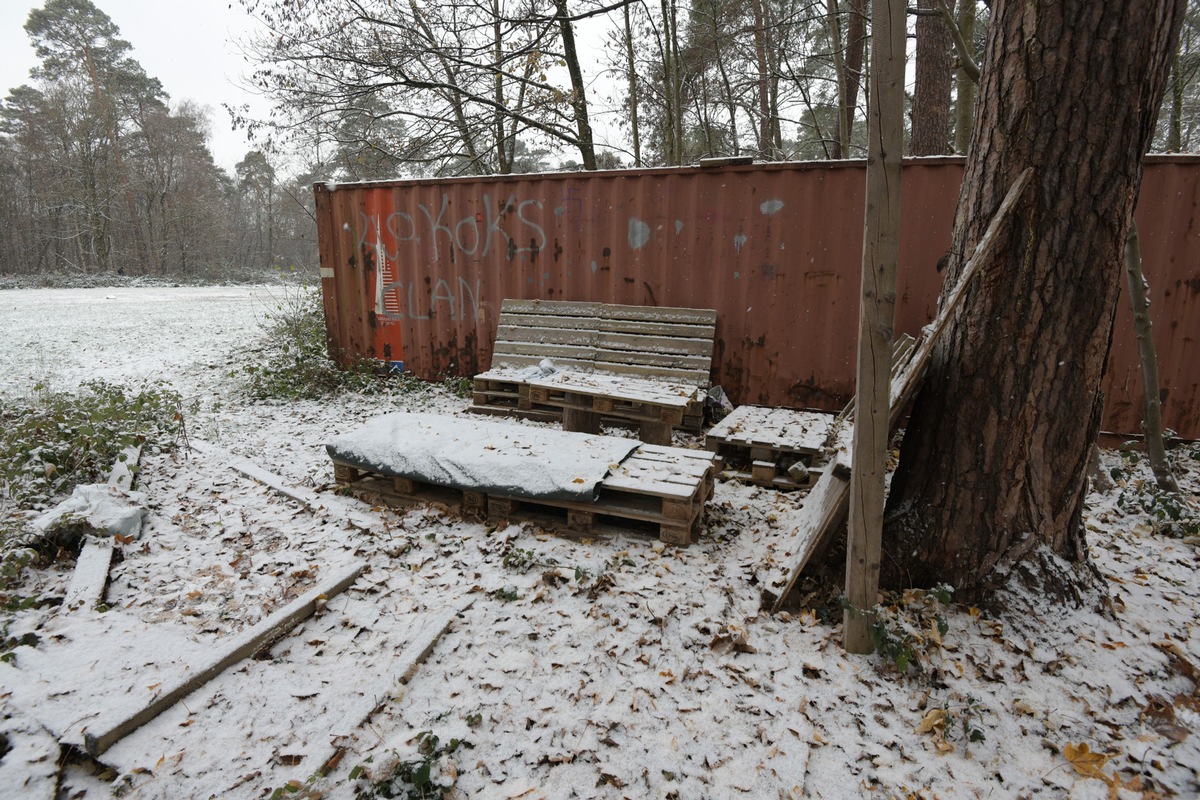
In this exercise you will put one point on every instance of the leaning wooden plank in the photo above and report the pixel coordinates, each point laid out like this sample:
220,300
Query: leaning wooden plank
904,385
241,646
90,578
825,508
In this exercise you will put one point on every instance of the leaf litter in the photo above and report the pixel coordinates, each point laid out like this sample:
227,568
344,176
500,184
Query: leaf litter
607,667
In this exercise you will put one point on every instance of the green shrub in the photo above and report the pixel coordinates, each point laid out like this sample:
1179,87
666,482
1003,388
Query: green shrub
431,774
909,631
51,443
290,360
1168,513
58,440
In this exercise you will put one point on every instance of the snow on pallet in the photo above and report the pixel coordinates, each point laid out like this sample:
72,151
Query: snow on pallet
762,444
657,490
656,406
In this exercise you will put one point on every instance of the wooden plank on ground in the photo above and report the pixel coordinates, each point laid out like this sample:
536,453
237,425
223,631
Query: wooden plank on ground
407,663
121,475
90,578
309,499
903,387
239,647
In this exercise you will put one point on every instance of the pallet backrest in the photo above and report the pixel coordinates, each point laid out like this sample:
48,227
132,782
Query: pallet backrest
643,341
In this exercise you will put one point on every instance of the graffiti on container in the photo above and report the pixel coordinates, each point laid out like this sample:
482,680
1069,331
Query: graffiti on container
397,300
475,235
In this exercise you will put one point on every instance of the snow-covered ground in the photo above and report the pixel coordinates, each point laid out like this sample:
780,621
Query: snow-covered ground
612,667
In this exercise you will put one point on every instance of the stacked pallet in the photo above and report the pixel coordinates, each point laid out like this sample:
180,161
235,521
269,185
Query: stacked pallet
638,360
655,490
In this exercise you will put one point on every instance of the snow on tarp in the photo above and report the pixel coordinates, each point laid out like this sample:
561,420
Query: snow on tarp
483,455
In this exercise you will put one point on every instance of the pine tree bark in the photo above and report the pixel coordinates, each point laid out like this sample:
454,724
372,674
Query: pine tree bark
992,473
931,94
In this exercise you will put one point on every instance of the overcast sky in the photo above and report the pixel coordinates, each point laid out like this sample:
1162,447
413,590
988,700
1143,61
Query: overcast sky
190,46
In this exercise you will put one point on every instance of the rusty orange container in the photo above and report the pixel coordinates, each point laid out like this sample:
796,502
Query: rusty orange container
413,272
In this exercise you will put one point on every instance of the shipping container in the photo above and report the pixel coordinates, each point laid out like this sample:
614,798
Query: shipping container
413,272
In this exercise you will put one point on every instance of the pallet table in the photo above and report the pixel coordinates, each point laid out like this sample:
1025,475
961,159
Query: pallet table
761,444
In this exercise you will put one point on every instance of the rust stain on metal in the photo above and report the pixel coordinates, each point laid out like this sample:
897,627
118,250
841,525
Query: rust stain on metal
414,271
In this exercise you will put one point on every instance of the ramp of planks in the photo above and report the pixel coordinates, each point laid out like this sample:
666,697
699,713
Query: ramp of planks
656,490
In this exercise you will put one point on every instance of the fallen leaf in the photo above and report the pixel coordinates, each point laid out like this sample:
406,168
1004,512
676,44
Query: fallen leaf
1024,708
934,718
1086,762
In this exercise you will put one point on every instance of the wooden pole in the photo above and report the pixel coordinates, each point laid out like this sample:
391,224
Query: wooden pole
1139,304
881,246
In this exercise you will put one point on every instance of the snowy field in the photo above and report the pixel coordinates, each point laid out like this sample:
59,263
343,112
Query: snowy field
611,668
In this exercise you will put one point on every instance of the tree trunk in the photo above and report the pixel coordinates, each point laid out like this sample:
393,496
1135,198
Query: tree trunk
1175,121
633,91
579,104
964,103
856,37
1139,304
764,100
503,159
842,145
672,149
931,95
992,476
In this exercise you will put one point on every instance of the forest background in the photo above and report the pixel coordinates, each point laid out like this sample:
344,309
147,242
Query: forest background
105,174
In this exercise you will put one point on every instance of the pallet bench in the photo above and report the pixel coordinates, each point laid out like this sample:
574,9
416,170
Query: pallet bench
656,490
636,365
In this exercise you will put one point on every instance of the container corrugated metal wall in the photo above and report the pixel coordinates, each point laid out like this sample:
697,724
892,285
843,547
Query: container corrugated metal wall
415,271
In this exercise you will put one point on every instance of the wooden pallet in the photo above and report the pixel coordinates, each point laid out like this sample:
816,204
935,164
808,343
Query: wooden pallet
655,408
758,445
640,345
656,490
499,393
